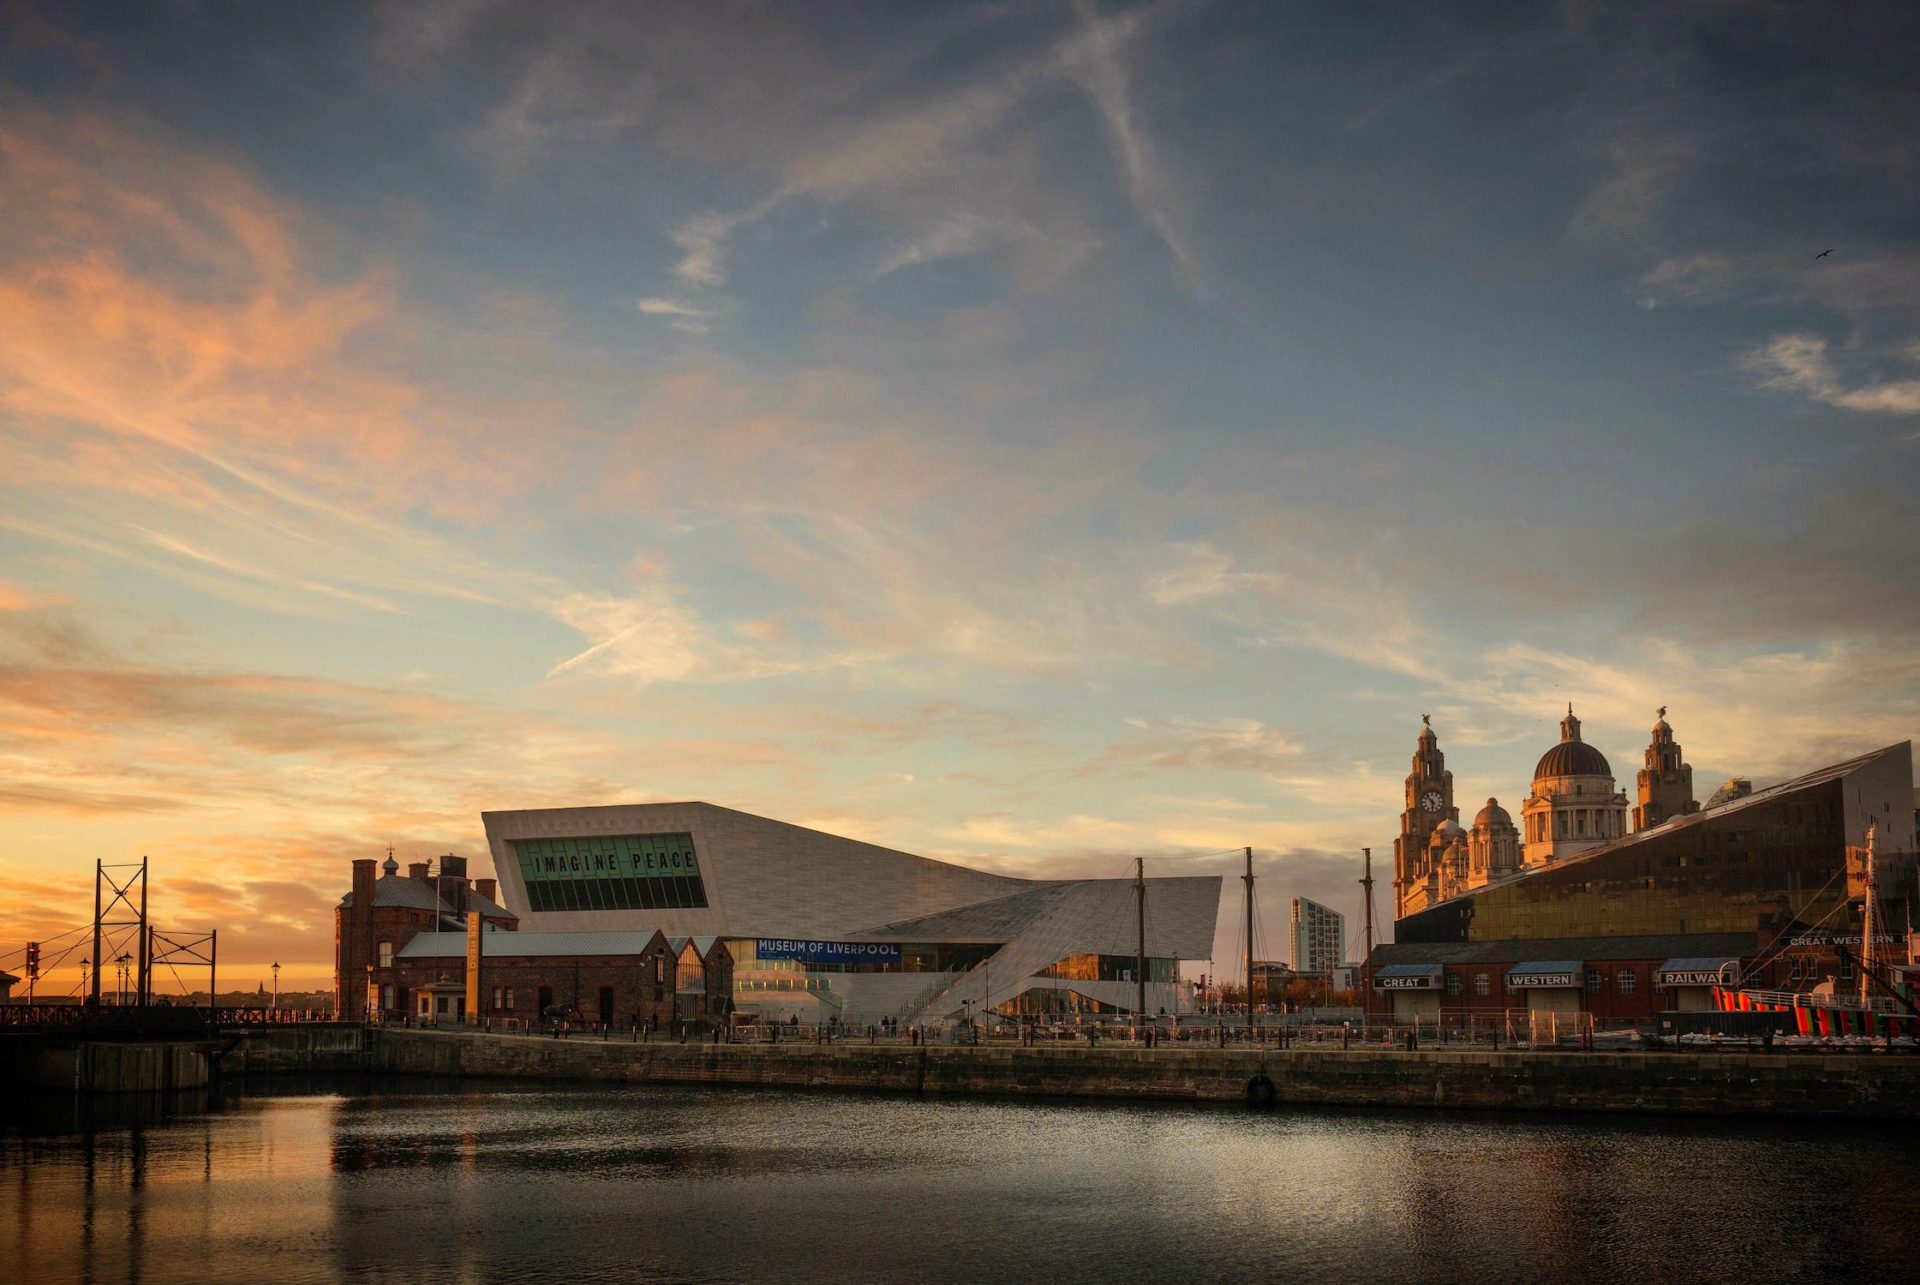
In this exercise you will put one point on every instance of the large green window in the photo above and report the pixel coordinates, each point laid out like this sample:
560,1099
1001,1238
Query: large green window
614,872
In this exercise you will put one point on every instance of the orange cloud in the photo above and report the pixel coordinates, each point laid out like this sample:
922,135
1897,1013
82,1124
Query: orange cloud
162,296
18,597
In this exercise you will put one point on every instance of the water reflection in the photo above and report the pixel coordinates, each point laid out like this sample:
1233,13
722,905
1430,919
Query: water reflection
457,1182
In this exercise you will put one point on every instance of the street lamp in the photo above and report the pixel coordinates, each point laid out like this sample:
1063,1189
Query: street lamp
120,975
276,985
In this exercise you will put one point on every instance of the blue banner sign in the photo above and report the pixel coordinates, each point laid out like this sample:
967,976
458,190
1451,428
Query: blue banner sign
829,952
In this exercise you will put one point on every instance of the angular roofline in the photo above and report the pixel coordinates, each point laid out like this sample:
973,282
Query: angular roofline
1806,780
754,816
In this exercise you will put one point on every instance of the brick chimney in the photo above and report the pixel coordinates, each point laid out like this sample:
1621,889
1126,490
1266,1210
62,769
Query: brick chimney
356,947
485,888
418,870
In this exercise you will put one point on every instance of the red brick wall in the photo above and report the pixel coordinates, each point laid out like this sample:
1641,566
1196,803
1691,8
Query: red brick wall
356,952
575,982
1609,1005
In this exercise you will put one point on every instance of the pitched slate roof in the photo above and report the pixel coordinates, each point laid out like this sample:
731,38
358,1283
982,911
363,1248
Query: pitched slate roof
1514,951
409,893
508,945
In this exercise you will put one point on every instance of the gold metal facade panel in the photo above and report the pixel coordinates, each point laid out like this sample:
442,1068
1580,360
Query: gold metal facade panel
1755,867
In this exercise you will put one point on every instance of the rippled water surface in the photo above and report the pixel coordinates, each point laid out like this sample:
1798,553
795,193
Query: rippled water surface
463,1182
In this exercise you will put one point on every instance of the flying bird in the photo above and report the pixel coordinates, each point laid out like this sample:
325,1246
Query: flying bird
1823,254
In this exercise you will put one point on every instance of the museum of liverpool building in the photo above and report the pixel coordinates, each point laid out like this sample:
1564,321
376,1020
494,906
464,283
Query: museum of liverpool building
1622,910
640,913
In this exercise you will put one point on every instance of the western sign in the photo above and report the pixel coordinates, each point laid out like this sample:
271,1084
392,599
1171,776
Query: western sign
1516,981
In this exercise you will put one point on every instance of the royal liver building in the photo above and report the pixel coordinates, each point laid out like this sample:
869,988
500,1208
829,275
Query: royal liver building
1571,806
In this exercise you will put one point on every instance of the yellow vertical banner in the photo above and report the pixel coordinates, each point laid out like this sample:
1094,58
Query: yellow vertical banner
473,967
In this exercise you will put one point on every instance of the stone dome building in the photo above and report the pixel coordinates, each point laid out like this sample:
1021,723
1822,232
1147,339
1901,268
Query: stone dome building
1573,804
1493,845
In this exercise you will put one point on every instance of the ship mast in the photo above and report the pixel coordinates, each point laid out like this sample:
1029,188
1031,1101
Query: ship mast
1868,955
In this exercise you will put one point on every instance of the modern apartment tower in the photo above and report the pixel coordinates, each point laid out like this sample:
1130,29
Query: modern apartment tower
1319,937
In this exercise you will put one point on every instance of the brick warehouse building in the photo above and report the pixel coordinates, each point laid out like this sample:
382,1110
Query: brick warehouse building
1763,890
406,938
381,915
618,979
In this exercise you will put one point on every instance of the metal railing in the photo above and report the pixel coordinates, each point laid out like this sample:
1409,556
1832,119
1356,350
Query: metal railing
1851,1003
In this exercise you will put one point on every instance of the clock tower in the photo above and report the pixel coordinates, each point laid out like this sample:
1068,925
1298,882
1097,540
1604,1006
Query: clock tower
1429,802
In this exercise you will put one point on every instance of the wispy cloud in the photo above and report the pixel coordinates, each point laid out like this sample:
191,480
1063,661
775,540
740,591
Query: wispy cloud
688,317
964,234
702,240
1694,278
1099,61
1222,745
1800,363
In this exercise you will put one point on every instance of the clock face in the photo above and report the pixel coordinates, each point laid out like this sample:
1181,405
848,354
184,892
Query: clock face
1431,800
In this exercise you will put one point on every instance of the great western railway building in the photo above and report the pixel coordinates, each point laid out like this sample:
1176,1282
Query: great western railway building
774,920
1577,915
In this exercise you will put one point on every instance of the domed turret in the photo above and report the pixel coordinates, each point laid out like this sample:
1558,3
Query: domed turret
1572,756
1494,845
1492,814
1572,805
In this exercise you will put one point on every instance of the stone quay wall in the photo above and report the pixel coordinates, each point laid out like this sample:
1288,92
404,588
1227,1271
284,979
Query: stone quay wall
1877,1085
106,1066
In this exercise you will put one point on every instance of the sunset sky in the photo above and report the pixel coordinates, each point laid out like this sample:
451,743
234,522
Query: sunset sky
1027,434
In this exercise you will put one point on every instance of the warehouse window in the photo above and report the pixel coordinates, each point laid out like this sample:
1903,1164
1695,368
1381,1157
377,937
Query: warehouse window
386,954
1479,983
1453,983
1595,981
509,1003
1624,982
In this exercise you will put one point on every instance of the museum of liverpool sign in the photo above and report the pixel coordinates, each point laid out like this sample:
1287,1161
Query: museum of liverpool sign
828,952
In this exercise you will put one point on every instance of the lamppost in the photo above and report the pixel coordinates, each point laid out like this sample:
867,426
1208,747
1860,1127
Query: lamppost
86,966
120,976
276,985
